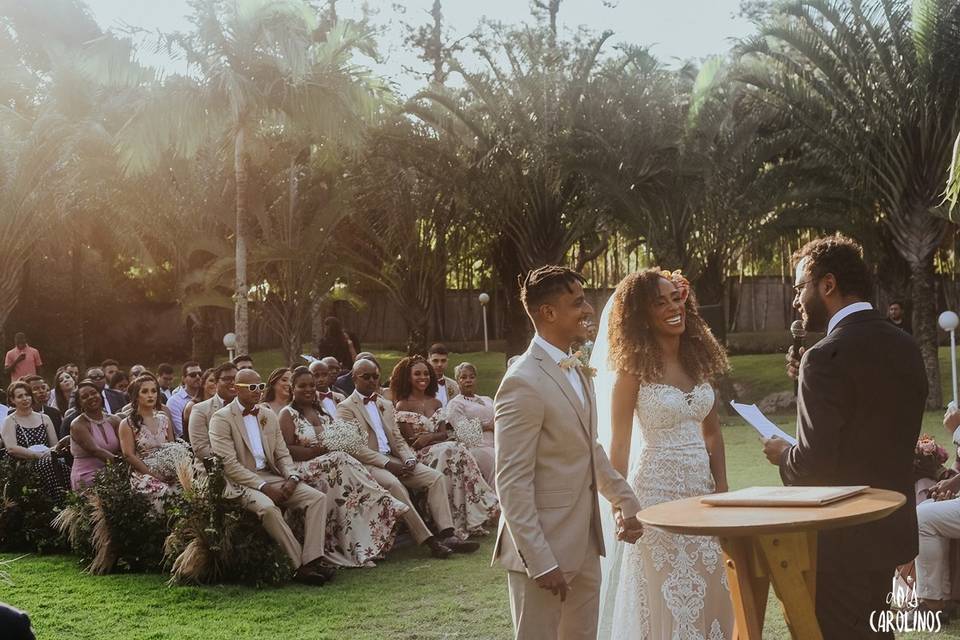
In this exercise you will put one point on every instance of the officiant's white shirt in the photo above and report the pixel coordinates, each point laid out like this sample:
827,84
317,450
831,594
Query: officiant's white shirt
856,307
557,355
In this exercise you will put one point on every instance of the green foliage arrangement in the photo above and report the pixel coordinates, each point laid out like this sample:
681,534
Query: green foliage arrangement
25,510
214,539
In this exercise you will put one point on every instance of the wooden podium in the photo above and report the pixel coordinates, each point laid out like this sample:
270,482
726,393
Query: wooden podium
771,544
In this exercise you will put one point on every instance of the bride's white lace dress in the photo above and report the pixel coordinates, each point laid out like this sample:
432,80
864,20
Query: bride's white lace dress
670,586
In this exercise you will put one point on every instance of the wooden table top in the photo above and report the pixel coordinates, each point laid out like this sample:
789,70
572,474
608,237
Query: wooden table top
690,516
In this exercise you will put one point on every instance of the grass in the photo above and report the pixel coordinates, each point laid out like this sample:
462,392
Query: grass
408,596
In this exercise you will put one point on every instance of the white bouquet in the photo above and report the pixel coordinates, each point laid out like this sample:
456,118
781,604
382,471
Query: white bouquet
170,457
469,432
343,435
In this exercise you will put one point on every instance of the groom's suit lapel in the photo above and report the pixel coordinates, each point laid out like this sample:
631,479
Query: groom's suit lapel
553,370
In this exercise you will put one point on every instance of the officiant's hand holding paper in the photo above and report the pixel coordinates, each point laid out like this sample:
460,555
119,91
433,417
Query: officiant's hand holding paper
773,448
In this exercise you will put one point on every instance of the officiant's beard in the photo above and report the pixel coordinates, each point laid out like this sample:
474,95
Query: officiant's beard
815,315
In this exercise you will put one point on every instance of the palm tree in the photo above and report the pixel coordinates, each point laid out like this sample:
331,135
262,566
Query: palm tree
258,67
873,88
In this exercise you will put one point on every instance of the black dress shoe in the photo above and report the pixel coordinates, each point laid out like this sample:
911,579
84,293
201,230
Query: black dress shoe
439,550
313,578
461,546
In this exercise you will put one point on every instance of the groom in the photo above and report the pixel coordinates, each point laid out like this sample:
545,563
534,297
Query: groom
550,467
861,399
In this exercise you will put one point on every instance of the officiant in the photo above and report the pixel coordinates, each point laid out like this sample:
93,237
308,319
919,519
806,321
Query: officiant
862,391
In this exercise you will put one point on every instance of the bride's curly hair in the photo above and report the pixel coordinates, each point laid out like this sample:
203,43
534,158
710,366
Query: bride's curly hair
633,346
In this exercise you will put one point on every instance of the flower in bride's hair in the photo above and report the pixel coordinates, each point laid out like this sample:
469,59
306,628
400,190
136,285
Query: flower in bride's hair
679,281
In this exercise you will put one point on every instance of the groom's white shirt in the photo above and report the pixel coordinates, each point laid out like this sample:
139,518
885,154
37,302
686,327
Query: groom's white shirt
559,355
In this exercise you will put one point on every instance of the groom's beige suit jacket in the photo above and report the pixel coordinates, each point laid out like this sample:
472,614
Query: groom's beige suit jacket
549,469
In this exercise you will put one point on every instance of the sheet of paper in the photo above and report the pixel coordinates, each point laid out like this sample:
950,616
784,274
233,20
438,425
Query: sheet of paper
760,422
309,359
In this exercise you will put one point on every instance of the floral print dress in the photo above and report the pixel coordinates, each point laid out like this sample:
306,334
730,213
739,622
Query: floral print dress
472,501
161,457
361,515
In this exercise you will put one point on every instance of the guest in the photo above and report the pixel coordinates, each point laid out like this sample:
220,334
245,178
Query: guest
22,360
361,514
148,445
344,383
94,441
243,362
28,435
190,386
73,370
394,465
896,317
333,369
119,381
64,387
258,466
198,424
165,380
208,389
41,392
421,420
470,406
137,370
329,399
336,342
110,367
113,401
278,390
447,389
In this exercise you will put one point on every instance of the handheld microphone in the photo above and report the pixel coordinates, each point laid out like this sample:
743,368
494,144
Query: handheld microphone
798,332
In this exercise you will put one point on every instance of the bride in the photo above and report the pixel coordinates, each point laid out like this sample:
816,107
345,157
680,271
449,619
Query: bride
655,358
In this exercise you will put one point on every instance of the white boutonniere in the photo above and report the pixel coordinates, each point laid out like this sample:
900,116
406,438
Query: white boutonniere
578,361
263,420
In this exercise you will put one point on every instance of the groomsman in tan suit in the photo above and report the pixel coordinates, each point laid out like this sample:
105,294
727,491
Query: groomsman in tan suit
327,397
255,458
447,388
549,469
198,426
391,461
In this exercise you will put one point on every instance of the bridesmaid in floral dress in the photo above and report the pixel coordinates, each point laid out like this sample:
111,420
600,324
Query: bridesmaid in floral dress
421,420
362,515
148,445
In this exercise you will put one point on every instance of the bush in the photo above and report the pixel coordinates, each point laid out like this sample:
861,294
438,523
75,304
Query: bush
26,511
215,539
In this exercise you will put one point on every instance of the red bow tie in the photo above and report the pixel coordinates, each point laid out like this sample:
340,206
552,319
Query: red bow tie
251,412
371,398
328,395
441,382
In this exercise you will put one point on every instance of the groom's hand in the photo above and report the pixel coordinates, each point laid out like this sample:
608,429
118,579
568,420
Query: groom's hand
555,583
773,448
629,530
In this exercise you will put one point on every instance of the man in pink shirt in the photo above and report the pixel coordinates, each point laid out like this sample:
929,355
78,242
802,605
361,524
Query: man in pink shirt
22,360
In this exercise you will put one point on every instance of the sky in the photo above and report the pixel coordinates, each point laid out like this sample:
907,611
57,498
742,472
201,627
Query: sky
674,29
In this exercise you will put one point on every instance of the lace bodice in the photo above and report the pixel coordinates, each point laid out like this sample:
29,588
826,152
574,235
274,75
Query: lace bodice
148,441
671,417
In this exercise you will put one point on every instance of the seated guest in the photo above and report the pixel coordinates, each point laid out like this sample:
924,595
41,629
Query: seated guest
28,435
208,389
148,444
243,362
199,422
333,369
41,393
119,382
93,437
165,380
390,460
113,401
137,370
344,383
73,369
63,387
336,342
256,460
190,385
328,398
423,424
438,356
469,406
360,513
109,367
278,390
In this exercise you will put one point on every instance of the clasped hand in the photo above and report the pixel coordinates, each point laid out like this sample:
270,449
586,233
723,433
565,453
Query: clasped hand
629,530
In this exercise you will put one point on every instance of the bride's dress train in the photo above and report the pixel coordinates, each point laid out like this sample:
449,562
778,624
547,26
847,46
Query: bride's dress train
668,586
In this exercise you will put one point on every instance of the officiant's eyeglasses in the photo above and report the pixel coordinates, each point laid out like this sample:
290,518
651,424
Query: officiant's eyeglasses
256,386
798,288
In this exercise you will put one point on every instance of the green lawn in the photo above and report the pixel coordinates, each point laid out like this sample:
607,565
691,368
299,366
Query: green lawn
407,596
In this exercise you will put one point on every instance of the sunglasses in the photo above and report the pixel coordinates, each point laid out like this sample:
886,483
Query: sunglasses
100,377
193,374
256,386
369,376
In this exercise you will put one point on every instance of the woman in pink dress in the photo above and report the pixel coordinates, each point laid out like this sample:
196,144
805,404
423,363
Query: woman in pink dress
469,406
93,436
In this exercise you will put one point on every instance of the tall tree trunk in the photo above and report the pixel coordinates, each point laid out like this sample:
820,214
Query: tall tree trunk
240,311
76,282
11,284
925,326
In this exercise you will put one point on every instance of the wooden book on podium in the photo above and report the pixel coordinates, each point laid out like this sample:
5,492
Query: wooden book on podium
782,496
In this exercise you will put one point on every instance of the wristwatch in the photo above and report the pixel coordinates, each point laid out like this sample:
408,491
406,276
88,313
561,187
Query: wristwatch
294,477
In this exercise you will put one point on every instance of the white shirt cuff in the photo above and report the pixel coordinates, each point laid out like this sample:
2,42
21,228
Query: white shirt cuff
540,575
261,486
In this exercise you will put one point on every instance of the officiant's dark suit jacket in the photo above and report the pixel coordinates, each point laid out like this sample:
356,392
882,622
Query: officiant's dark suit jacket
861,399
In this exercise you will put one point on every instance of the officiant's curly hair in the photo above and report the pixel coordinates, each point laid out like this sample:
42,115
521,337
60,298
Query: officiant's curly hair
840,256
634,348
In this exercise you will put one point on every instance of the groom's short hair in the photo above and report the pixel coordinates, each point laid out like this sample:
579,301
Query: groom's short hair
545,283
842,257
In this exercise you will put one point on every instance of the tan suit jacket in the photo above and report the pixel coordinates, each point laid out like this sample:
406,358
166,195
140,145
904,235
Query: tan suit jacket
453,389
549,469
199,425
229,440
352,409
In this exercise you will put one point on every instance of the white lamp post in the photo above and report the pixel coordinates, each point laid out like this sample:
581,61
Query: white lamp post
484,301
230,342
949,321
